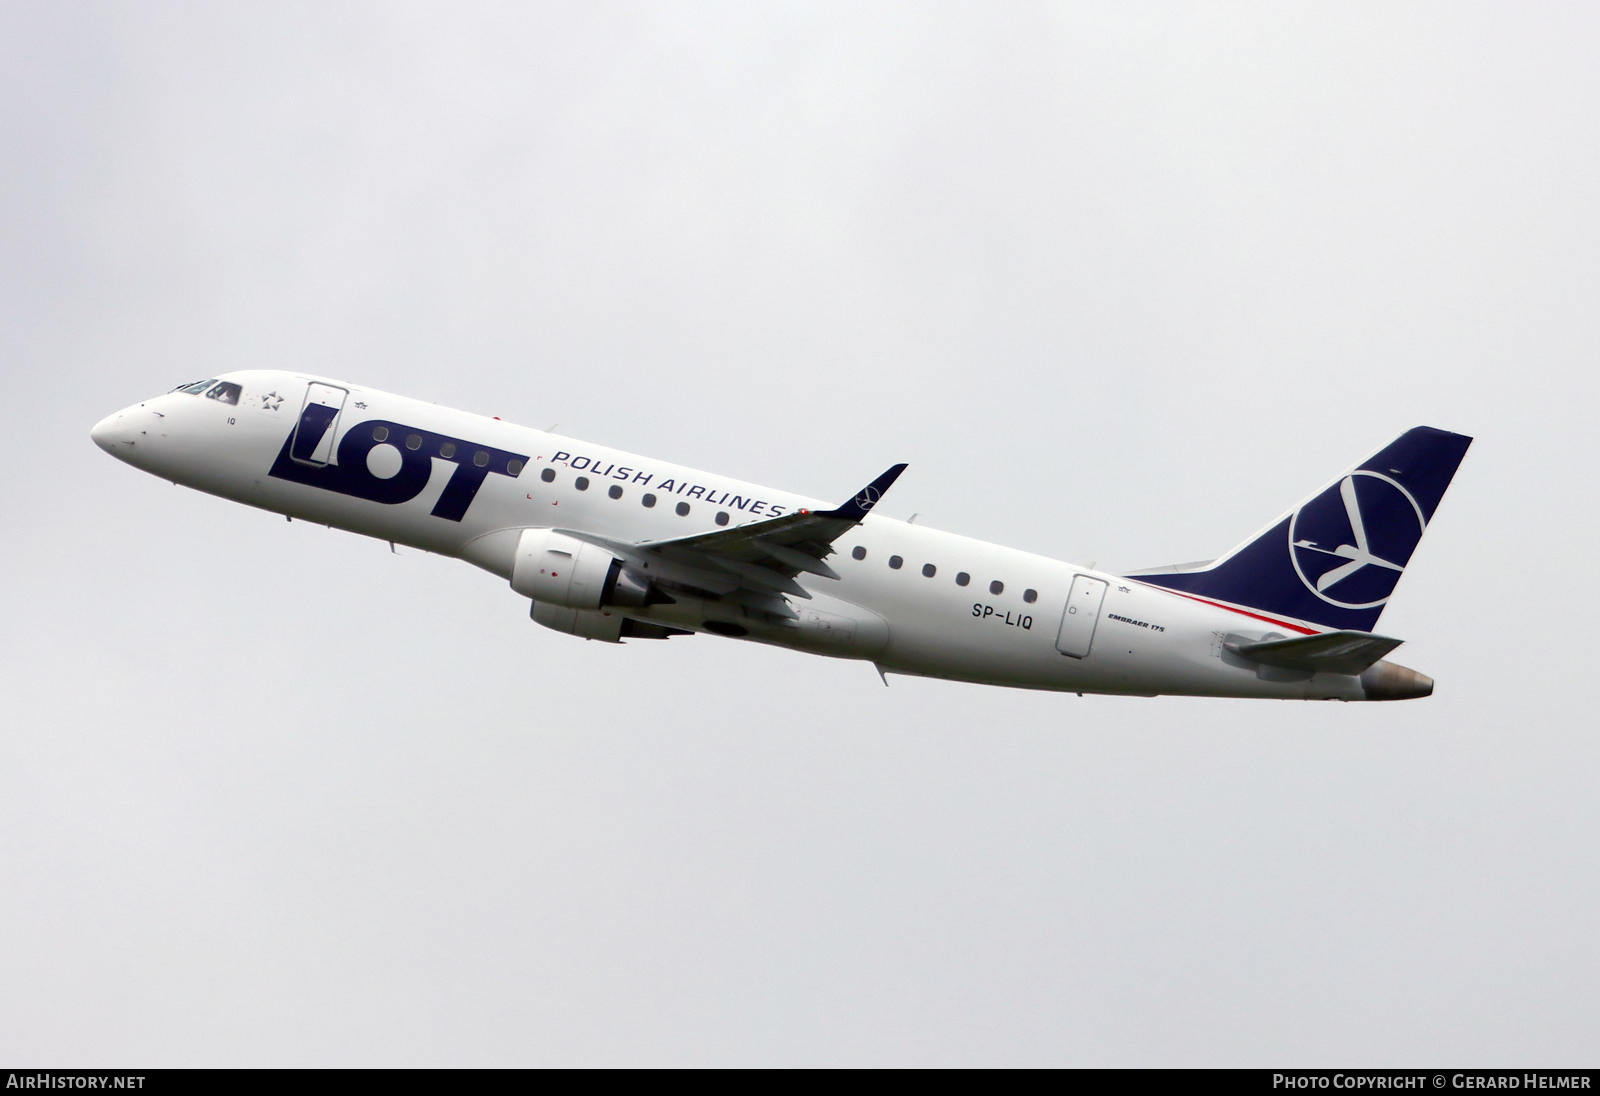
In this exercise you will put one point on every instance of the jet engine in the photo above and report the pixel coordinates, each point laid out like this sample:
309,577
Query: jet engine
606,627
599,624
555,569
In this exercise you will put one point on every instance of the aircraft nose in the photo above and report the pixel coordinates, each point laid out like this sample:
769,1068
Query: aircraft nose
103,431
114,434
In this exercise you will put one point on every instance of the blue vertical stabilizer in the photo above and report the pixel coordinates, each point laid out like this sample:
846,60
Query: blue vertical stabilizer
1334,560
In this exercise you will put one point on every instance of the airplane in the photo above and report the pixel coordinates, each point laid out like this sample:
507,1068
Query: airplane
611,546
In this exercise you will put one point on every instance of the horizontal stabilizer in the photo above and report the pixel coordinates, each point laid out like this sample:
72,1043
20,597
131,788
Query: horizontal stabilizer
1329,652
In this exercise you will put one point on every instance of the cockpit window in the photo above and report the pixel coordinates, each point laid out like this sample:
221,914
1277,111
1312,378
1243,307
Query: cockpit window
196,387
225,392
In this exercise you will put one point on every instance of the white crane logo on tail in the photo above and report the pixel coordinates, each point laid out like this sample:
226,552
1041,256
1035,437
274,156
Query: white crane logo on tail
1351,543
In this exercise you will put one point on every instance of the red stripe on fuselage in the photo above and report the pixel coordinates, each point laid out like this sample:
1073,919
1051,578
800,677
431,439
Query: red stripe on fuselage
1242,612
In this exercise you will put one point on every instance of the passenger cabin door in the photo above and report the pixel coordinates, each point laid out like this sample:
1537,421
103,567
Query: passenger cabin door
318,424
1083,612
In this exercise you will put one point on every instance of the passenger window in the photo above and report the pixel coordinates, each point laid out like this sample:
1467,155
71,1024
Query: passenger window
380,433
448,450
481,459
413,443
928,570
649,501
997,587
226,392
858,552
548,475
722,517
615,492
683,509
513,467
962,578
581,483
895,562
1030,596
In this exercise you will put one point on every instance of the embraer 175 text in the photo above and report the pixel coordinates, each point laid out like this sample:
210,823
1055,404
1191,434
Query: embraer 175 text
611,546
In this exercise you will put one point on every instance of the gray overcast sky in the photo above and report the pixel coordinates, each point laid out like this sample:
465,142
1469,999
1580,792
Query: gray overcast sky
1120,281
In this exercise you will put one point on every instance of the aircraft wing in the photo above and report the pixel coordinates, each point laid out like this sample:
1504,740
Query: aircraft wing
753,564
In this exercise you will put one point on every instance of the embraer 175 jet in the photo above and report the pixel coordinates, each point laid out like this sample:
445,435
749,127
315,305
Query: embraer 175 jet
612,546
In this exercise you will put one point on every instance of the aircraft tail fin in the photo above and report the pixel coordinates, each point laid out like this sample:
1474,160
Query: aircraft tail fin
1334,560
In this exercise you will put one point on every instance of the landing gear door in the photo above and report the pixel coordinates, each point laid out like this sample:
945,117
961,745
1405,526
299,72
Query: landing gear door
1083,612
318,424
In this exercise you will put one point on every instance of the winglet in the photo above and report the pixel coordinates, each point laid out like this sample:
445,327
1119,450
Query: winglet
866,498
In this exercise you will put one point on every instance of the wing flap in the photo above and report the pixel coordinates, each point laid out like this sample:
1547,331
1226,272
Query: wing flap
800,561
764,577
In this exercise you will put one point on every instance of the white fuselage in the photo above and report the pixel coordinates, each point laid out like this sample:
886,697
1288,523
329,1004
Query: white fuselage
914,618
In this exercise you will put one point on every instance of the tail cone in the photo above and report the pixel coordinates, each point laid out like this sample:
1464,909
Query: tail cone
1388,681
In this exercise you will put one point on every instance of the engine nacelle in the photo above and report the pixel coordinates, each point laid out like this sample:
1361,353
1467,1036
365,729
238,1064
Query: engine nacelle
557,570
600,624
588,623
